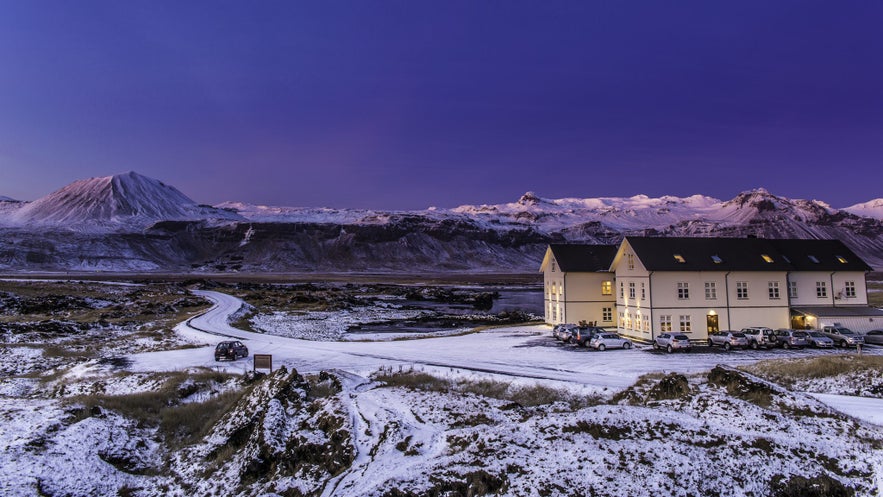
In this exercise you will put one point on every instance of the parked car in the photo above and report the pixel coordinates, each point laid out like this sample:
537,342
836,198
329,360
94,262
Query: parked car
843,337
604,341
760,336
673,341
584,334
818,340
789,338
230,350
727,339
563,332
874,336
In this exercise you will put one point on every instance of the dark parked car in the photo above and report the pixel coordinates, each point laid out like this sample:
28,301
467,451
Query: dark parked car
230,350
584,335
875,337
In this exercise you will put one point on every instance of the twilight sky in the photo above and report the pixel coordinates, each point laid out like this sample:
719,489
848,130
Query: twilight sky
410,104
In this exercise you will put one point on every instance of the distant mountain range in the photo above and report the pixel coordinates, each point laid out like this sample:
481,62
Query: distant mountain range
130,222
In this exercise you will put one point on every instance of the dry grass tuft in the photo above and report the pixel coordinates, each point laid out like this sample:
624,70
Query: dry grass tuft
788,371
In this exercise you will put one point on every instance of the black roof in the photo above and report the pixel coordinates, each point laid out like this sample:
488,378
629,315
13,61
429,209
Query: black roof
583,258
744,254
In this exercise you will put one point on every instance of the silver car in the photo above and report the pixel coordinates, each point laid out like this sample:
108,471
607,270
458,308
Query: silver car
875,337
606,341
673,341
791,338
728,339
818,340
843,337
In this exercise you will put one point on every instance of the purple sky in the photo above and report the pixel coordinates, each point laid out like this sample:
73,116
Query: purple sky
409,104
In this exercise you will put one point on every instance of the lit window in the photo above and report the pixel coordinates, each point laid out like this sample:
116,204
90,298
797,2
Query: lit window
841,259
716,259
813,258
821,290
766,258
686,326
665,323
606,288
680,258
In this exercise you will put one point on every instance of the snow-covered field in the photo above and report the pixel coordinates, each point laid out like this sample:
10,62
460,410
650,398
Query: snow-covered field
620,422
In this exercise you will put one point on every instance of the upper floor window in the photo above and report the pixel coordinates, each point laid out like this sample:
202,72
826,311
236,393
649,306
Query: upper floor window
606,288
841,259
553,266
742,290
680,259
813,259
643,292
774,289
631,290
683,290
621,290
792,289
710,290
766,258
630,260
821,289
849,290
716,259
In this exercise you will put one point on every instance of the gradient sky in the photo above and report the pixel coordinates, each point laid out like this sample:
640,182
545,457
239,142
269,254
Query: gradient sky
410,104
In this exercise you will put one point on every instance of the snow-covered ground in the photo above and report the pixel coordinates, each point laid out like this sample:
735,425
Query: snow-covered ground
606,435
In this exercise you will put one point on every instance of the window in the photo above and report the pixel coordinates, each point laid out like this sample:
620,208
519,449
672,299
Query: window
643,292
766,258
621,290
638,322
630,258
665,323
607,314
680,259
554,312
841,259
631,289
553,266
606,288
821,289
813,259
647,324
774,289
849,290
683,290
716,259
628,320
742,290
710,290
685,324
792,289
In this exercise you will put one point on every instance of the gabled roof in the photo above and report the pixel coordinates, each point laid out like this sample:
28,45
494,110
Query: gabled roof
575,258
743,254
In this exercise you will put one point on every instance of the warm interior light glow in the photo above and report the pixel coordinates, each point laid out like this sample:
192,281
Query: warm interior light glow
680,258
766,258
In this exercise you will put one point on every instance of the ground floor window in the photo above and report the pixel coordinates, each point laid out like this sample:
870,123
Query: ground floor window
665,323
607,314
685,324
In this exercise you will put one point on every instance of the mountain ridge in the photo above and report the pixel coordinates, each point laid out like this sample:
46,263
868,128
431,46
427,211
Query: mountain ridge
133,223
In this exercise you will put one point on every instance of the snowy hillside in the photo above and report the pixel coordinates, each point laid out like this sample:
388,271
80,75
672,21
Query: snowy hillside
122,200
873,208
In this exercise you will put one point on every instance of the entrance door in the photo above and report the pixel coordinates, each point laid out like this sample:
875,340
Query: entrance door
711,319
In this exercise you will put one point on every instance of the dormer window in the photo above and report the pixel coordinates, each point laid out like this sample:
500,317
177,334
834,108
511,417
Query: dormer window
766,258
680,259
841,259
786,259
813,259
716,259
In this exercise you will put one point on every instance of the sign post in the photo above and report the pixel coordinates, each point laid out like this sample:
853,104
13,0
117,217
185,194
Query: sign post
263,361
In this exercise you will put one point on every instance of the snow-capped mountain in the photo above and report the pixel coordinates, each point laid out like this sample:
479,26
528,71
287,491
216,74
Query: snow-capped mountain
872,208
4,198
121,201
133,223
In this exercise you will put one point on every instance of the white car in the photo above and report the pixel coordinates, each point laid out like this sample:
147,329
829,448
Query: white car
609,341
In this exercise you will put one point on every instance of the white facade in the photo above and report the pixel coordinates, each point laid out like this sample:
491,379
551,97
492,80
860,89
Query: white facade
571,297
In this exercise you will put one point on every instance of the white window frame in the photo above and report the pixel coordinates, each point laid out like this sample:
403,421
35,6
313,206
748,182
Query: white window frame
710,290
821,289
849,290
686,326
742,290
632,290
683,290
792,289
773,287
665,323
